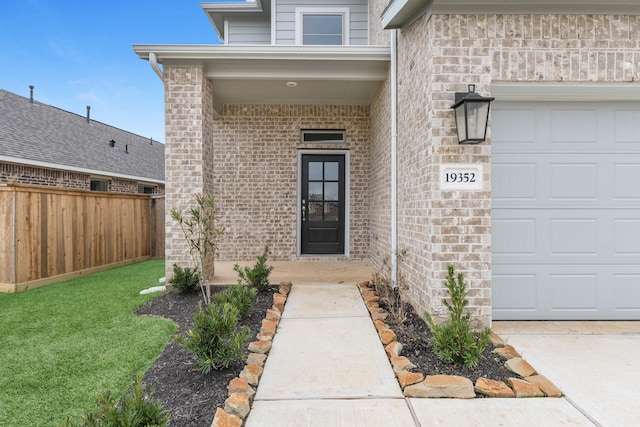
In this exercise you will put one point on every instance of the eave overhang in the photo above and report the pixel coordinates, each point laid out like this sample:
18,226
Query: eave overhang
401,13
219,12
241,74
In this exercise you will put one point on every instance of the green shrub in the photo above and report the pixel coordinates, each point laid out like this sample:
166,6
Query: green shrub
258,276
455,341
185,280
239,296
135,409
215,339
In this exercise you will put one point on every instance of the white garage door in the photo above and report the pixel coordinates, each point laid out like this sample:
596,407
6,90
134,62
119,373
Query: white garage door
566,210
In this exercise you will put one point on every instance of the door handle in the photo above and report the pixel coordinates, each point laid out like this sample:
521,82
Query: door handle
304,210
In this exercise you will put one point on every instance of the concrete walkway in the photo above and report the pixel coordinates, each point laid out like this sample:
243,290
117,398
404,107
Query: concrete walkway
595,364
328,368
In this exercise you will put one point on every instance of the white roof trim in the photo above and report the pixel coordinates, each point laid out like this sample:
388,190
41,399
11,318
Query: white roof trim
60,167
565,91
246,6
261,52
400,13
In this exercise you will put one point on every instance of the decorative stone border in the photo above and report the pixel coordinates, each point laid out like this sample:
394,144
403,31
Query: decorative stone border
415,384
243,387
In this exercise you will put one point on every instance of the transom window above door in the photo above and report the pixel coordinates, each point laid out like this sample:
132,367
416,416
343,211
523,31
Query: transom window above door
322,26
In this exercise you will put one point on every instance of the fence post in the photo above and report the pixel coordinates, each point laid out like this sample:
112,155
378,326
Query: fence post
157,226
14,202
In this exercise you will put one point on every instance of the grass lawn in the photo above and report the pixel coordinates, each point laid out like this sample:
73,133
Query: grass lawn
63,343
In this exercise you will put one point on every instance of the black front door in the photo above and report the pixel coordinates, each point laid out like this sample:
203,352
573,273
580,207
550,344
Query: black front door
322,204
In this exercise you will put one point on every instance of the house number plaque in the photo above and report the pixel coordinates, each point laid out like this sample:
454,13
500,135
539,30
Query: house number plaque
459,176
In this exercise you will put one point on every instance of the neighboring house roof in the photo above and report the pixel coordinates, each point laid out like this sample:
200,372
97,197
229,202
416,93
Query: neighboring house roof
42,135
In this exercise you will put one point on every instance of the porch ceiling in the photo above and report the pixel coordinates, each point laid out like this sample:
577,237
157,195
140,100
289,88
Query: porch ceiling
259,74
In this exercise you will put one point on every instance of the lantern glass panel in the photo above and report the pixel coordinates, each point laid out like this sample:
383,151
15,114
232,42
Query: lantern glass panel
477,114
461,122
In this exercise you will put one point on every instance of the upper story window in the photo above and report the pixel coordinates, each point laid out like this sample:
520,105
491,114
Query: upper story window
322,26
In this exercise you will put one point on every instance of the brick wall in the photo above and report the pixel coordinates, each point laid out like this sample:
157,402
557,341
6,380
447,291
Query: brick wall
248,160
256,174
22,174
440,57
377,35
380,175
11,173
555,48
118,185
188,148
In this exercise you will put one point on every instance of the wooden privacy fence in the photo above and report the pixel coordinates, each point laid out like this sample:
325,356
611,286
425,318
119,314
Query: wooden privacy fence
48,235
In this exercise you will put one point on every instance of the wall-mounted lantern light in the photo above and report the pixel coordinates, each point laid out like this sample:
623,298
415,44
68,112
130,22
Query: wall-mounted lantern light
472,116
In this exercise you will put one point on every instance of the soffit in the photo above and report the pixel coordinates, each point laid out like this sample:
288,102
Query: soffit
400,13
342,75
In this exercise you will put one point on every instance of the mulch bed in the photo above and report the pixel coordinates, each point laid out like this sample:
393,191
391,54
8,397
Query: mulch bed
414,335
191,396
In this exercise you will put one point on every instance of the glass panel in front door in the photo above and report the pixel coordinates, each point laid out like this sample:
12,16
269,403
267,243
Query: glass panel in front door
331,171
315,191
315,171
323,191
331,211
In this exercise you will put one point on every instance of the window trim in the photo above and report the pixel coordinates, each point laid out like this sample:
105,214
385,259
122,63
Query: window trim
106,181
304,132
347,200
344,11
145,184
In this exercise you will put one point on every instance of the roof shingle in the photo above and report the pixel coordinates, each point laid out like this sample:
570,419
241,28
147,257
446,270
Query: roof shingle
42,133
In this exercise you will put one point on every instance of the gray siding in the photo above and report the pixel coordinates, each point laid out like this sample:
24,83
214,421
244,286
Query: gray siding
249,31
286,18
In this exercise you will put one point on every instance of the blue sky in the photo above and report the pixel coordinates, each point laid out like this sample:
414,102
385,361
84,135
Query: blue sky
78,53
